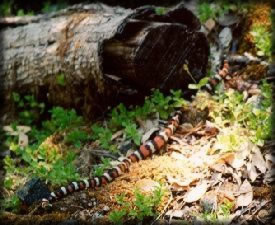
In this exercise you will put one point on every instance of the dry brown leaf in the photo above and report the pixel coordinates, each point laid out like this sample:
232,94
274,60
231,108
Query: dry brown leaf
196,193
258,159
227,190
181,183
117,134
237,163
218,167
251,171
224,220
186,127
216,178
237,176
227,158
246,195
19,129
175,213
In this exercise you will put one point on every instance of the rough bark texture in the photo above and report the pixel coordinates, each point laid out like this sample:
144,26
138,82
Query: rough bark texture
85,44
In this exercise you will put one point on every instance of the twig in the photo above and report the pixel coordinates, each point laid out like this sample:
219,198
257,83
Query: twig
34,210
256,210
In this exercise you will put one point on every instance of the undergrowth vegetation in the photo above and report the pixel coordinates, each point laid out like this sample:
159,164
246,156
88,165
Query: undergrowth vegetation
228,108
206,10
43,159
142,207
262,39
221,214
125,119
11,8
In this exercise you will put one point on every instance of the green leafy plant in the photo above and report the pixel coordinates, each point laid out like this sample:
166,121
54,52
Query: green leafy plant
5,8
60,79
63,170
132,132
40,159
126,119
262,39
201,84
208,10
29,109
230,107
143,206
76,138
104,135
205,11
11,203
116,216
161,104
62,118
160,10
21,12
214,216
100,169
49,7
225,208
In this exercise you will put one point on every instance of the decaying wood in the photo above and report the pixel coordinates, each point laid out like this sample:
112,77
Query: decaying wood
87,43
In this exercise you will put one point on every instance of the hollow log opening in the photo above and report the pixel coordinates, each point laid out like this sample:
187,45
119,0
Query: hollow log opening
156,55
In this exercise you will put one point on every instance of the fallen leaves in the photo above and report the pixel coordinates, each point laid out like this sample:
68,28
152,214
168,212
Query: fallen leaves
196,193
246,194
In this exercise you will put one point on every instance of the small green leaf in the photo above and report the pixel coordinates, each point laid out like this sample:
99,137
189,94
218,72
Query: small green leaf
15,97
193,86
60,79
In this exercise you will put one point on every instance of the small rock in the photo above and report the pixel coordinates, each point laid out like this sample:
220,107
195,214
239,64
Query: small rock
175,213
263,213
34,190
209,202
147,185
228,19
225,37
106,208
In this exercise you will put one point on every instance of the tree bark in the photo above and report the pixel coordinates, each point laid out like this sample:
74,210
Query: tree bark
88,44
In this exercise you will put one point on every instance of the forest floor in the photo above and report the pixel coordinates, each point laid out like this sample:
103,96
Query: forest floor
218,168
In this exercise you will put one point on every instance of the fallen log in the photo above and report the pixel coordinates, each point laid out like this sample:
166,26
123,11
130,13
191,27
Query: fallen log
86,45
